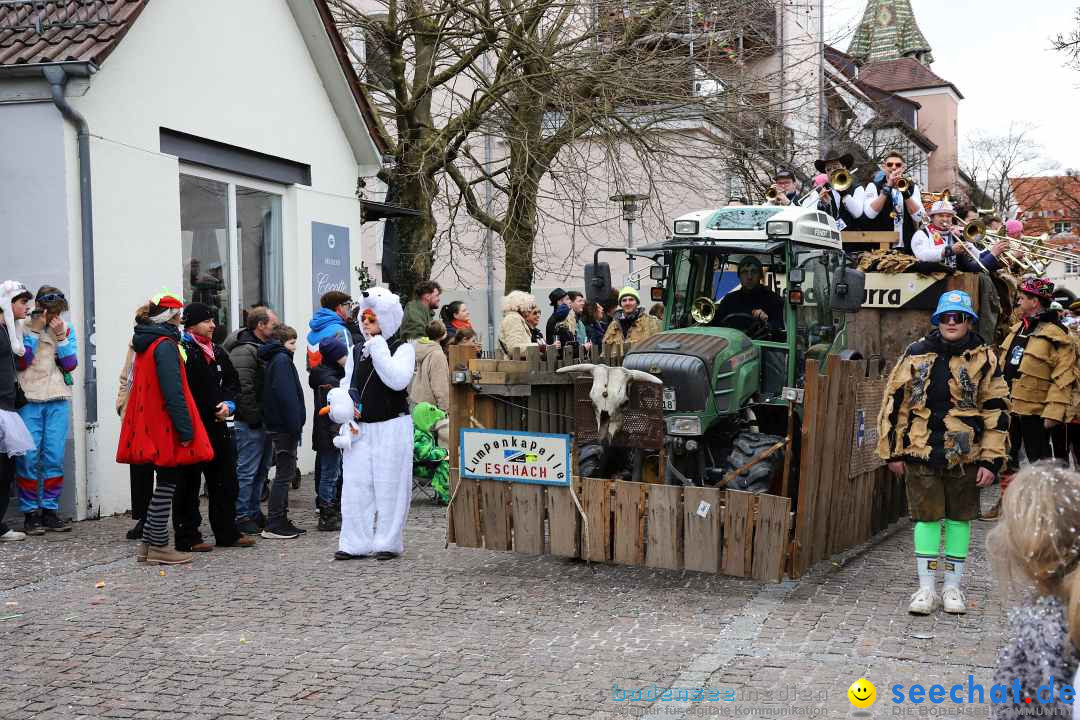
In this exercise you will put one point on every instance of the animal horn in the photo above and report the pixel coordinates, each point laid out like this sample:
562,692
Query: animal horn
643,376
581,367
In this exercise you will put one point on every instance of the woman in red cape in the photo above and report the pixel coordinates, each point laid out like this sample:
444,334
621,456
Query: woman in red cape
161,424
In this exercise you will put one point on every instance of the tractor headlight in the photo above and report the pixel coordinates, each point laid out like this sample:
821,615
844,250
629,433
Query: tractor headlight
686,227
684,425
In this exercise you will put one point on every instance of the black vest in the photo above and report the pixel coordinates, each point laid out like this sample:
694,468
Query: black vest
884,221
378,403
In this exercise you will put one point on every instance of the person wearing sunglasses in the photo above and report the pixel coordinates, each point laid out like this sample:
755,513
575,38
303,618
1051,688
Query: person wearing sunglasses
944,427
887,207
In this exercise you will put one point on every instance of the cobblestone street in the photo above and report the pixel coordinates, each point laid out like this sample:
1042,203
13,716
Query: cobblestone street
281,631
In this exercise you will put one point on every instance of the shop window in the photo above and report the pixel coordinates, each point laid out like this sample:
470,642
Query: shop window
230,270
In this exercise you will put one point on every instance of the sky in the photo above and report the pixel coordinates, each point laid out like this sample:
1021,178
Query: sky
997,53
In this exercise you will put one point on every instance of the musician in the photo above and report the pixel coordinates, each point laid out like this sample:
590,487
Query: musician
994,224
784,182
845,207
887,208
1014,229
943,243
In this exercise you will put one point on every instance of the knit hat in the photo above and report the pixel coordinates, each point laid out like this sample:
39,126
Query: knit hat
749,261
10,291
1039,287
941,207
629,291
332,349
556,295
196,313
1014,228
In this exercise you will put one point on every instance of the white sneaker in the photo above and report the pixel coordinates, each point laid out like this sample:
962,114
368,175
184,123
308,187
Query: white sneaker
12,536
954,601
923,602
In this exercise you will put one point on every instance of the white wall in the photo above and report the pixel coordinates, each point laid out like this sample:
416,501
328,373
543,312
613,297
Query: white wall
202,68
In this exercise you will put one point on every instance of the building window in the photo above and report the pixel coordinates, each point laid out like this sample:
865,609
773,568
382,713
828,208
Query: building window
1072,267
1062,227
230,270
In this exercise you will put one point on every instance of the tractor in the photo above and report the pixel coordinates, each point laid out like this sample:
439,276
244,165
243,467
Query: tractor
730,379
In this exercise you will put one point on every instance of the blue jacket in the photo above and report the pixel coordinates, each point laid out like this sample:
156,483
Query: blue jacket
325,324
283,398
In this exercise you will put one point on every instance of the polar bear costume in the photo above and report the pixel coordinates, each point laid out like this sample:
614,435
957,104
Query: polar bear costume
377,435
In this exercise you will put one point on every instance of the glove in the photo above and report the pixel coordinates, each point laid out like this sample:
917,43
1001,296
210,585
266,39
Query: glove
910,189
879,180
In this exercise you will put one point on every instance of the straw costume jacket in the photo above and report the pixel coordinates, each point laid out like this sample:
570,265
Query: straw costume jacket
946,404
1047,372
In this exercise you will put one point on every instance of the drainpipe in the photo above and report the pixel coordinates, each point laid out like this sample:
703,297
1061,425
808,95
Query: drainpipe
57,79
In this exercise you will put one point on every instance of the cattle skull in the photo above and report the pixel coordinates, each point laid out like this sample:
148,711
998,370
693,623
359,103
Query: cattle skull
608,393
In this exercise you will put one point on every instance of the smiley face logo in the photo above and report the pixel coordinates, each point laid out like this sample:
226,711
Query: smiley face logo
862,693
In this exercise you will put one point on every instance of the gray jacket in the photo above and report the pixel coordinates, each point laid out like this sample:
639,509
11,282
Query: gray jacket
243,348
1040,653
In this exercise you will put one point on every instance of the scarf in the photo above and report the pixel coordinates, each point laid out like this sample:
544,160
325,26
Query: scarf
460,324
207,346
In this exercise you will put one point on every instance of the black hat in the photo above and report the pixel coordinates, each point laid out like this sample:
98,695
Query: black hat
833,155
195,313
556,295
784,173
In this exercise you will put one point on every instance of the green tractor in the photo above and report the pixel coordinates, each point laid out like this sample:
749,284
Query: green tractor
730,377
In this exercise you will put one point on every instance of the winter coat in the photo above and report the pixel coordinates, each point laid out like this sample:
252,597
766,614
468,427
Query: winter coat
161,414
46,362
210,383
8,378
322,379
644,326
1038,653
946,404
558,316
431,382
514,332
417,318
595,332
243,350
325,324
1047,369
126,378
283,398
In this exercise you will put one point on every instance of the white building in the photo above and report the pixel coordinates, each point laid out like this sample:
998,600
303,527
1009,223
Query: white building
220,157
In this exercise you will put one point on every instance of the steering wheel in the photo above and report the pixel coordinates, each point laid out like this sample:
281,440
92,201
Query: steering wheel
754,327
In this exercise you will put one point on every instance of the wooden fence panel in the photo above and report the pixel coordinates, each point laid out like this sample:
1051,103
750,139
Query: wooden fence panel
466,511
596,500
564,523
495,500
815,410
630,499
771,537
738,533
665,548
701,535
528,514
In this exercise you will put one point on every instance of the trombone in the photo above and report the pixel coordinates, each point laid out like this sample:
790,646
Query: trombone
975,229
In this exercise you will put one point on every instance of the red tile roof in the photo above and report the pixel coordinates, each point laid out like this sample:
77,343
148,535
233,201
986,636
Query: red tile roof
902,74
1044,201
69,31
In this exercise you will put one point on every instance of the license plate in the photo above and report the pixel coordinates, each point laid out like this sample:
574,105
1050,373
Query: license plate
669,398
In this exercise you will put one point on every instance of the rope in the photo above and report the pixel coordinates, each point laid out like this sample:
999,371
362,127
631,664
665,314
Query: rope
526,408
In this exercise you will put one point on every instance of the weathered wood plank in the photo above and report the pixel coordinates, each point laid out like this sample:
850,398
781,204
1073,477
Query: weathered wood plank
564,523
738,533
701,535
528,513
665,548
496,513
630,501
596,500
770,537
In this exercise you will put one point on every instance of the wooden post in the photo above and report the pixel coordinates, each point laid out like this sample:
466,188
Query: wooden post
462,398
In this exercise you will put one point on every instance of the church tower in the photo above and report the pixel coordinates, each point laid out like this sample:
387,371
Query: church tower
888,31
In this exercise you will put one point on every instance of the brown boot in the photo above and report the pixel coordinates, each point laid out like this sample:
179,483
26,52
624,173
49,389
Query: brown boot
140,552
166,556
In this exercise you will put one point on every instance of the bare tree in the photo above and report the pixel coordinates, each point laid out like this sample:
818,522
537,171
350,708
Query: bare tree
1069,43
573,93
991,160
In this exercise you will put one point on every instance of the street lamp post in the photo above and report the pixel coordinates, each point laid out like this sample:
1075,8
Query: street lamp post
631,211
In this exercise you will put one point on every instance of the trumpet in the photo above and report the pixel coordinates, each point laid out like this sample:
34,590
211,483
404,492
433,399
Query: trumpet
904,183
840,180
772,193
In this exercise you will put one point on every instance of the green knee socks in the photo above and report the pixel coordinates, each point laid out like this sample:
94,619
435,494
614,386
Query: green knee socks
928,545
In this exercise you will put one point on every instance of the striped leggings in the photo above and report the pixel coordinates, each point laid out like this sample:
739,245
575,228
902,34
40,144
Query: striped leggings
156,526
